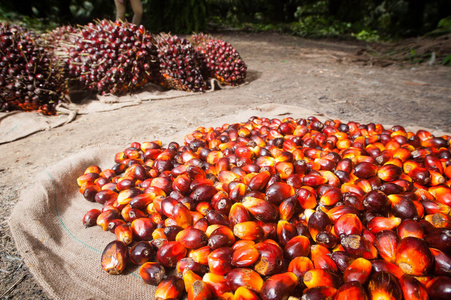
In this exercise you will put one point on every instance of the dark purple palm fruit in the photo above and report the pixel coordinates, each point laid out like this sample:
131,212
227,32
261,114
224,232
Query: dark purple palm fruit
31,77
179,65
220,59
110,57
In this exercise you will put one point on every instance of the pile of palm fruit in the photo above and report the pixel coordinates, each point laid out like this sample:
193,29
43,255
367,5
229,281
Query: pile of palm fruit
106,57
280,209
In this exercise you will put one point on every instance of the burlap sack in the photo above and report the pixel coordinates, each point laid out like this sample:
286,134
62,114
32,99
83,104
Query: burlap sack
47,225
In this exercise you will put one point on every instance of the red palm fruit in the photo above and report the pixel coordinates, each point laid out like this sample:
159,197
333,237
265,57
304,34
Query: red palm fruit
87,178
279,286
217,283
318,221
375,201
221,237
365,170
244,277
438,220
331,197
105,195
170,253
432,207
412,289
313,179
270,260
192,238
182,184
243,293
392,188
300,265
348,224
351,290
439,288
143,229
188,264
238,191
171,231
171,287
285,231
357,246
380,265
297,246
351,187
114,257
106,217
130,214
124,233
378,224
306,197
419,174
319,277
226,177
220,260
200,255
389,172
433,162
288,208
125,196
319,293
359,270
410,228
141,253
320,256
245,256
221,202
442,263
260,209
439,238
327,239
215,217
239,214
270,230
249,230
386,243
199,290
336,212
341,259
90,218
278,192
414,257
383,285
201,224
152,273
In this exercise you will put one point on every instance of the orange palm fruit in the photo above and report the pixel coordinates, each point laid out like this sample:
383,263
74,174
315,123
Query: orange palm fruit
217,283
357,246
348,224
359,270
260,209
270,260
192,238
221,237
320,256
351,290
384,286
152,273
285,232
199,290
171,287
300,265
414,257
124,233
320,277
297,246
220,260
410,228
386,243
378,224
249,230
380,265
189,277
243,293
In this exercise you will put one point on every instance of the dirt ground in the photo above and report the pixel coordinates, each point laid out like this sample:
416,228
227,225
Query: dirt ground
329,77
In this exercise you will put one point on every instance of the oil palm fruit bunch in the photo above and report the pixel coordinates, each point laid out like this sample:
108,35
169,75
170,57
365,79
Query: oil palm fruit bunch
109,57
281,209
220,59
31,77
179,64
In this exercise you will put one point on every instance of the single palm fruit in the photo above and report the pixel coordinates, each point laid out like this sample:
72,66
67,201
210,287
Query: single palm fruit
114,257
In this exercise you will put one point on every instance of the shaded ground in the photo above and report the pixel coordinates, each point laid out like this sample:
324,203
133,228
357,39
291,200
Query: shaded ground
326,76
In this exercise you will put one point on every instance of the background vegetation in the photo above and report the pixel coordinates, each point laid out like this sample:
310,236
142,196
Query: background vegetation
362,19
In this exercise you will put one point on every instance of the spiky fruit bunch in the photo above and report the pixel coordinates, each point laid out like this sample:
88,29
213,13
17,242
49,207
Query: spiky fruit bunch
179,64
110,57
220,59
30,76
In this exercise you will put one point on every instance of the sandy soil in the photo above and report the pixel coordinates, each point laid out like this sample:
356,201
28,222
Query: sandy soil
326,76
